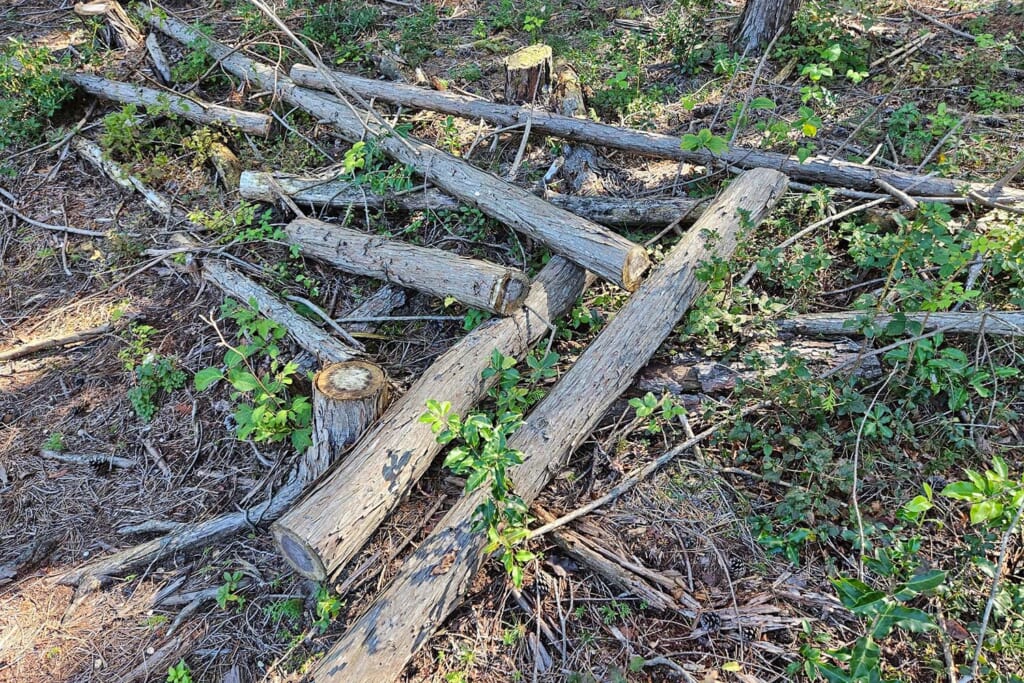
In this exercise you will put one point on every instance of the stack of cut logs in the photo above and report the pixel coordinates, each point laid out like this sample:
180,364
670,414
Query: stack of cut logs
386,448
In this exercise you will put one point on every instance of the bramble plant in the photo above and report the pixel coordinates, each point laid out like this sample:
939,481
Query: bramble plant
30,94
153,373
55,442
483,455
269,413
228,591
328,607
179,673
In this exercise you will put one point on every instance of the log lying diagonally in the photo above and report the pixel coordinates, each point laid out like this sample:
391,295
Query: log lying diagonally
433,580
475,283
329,190
594,247
836,172
1002,323
319,535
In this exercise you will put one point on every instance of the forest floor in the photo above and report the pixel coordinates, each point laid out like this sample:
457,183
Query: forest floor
865,526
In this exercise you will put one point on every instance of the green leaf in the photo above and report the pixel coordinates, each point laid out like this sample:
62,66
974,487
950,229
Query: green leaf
985,511
762,103
243,380
207,377
475,479
921,583
864,660
717,145
960,490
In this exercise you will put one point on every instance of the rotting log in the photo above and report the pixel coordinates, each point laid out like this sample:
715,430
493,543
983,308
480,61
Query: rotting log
167,101
1002,323
347,398
432,582
594,247
834,172
527,73
475,283
319,535
28,348
330,190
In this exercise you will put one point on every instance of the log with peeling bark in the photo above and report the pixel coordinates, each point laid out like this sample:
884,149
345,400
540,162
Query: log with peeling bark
347,399
432,582
319,536
834,172
166,101
329,189
475,283
594,247
156,55
1002,323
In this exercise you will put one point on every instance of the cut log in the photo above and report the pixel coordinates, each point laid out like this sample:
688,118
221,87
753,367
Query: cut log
475,283
119,31
229,168
165,101
1003,323
592,246
834,172
693,374
760,22
347,399
433,580
319,536
156,55
527,74
332,191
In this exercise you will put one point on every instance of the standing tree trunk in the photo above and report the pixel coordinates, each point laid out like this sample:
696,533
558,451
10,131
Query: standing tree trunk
761,21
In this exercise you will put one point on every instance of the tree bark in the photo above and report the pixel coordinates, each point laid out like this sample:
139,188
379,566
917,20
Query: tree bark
330,190
581,161
760,22
156,55
318,536
120,30
475,283
380,303
527,73
432,582
835,172
166,101
592,246
1002,323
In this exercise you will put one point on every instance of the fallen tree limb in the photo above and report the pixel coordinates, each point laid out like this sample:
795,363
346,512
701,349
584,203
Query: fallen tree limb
433,580
1003,323
108,459
319,536
836,172
330,190
473,282
31,347
167,101
592,246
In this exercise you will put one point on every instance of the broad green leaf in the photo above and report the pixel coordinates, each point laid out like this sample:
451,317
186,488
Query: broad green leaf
762,103
243,380
922,583
960,490
986,510
207,377
475,479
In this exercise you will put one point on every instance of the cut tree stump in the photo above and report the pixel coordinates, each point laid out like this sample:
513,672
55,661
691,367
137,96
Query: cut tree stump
527,74
330,190
1002,323
432,582
319,535
119,31
594,247
475,283
835,172
347,398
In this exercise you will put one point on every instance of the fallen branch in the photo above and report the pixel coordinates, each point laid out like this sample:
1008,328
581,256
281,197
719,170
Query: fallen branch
592,246
330,190
47,226
432,582
473,282
31,347
89,458
165,101
1003,323
837,173
319,536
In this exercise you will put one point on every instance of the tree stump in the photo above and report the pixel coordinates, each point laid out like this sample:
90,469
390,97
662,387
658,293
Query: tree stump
527,73
119,30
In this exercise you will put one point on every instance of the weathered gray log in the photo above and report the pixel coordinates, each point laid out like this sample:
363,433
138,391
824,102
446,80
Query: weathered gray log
156,55
527,73
694,374
600,251
330,190
347,399
166,101
835,172
319,536
581,161
433,580
475,283
1003,323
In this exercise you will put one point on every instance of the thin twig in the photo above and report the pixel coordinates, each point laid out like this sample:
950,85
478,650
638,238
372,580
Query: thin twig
47,226
905,199
753,84
327,319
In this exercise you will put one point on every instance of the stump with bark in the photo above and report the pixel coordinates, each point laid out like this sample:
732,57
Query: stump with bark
527,74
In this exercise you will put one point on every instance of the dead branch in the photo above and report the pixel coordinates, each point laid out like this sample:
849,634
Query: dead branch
1002,323
57,342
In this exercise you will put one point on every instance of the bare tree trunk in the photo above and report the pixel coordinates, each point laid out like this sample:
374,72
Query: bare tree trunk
433,581
761,21
327,529
476,283
593,246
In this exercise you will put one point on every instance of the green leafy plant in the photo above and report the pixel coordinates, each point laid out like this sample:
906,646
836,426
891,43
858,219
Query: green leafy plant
704,139
343,27
328,607
154,374
289,609
994,496
196,61
179,673
227,592
55,442
31,91
268,412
